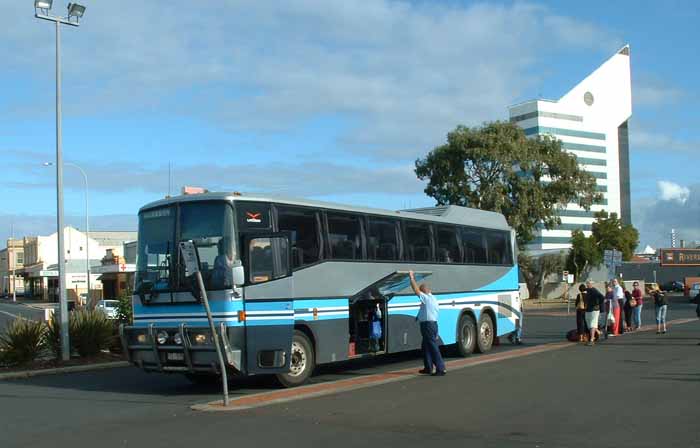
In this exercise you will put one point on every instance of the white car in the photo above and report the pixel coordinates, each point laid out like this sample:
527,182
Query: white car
109,307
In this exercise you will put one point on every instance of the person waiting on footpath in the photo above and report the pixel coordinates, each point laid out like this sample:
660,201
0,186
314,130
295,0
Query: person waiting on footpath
594,303
612,308
620,296
637,309
427,318
660,306
581,328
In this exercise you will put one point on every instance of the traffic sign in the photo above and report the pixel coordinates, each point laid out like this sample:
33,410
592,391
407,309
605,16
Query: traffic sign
189,256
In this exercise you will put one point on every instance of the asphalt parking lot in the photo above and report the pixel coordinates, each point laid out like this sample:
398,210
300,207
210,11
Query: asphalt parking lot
637,390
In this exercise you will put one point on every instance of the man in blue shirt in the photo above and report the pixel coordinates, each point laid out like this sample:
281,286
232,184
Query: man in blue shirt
427,317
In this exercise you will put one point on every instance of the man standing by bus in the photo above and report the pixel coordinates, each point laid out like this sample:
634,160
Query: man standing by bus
427,317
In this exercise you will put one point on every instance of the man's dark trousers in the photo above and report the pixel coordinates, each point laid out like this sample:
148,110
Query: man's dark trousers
431,351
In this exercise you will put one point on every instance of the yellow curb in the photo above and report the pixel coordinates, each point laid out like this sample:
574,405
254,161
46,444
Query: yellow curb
57,370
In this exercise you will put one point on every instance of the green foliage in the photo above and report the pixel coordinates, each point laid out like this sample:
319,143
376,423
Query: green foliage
583,255
610,233
90,331
22,341
536,269
124,309
53,336
497,168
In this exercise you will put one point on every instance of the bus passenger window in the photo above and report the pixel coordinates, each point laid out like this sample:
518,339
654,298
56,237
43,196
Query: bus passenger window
344,236
301,223
474,246
448,245
498,248
418,242
382,243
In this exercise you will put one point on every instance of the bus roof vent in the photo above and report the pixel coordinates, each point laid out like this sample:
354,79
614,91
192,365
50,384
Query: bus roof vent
440,210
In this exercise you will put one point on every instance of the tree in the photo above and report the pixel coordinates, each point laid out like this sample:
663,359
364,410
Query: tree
583,255
610,233
536,269
497,168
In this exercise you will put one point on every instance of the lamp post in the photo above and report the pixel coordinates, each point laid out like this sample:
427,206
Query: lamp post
87,222
75,12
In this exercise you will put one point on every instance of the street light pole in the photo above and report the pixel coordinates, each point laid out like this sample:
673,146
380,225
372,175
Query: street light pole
87,221
41,11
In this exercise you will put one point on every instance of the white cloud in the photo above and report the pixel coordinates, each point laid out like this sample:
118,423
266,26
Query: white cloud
671,191
403,73
654,141
655,94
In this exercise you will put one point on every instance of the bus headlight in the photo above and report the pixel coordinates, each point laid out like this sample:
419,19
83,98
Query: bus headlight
162,337
141,338
177,338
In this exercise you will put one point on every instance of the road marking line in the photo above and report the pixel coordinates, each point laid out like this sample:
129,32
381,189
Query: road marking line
334,387
12,315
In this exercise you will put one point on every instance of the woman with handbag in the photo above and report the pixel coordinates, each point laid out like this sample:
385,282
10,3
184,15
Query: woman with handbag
630,303
581,328
637,313
660,306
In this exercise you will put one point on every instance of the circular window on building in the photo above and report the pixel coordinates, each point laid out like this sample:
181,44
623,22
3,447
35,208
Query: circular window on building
588,98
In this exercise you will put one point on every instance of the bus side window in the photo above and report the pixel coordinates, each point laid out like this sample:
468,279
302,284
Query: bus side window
474,246
418,241
382,241
448,245
498,247
302,225
344,236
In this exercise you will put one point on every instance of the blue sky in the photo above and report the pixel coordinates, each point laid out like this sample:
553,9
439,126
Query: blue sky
323,98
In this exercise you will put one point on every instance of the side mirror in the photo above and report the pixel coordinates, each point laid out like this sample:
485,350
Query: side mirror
238,273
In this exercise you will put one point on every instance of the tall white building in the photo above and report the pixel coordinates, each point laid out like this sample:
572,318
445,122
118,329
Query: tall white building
591,122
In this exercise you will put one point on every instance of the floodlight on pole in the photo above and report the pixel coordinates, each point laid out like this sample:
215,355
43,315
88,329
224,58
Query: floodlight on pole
75,10
43,4
41,11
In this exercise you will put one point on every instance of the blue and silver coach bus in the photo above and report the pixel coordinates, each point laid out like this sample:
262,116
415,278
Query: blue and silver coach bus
296,283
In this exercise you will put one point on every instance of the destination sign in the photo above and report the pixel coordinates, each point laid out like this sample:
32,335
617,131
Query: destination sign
680,257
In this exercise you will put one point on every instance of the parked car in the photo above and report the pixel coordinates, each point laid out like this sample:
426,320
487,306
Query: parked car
694,291
674,286
109,307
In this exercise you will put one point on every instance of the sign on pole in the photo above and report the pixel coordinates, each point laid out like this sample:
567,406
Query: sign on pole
189,257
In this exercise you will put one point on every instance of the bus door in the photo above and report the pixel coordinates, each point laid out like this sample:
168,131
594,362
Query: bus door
269,307
402,330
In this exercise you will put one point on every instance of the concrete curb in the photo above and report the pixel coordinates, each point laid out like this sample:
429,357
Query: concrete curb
69,369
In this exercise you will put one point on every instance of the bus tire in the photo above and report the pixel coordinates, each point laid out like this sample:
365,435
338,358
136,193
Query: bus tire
485,334
301,364
466,335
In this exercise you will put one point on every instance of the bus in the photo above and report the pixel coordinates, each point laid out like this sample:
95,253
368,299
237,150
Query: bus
293,284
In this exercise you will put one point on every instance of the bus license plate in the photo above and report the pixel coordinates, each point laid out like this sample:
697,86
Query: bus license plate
175,356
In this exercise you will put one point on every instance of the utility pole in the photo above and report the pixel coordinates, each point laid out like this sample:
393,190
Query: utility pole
14,260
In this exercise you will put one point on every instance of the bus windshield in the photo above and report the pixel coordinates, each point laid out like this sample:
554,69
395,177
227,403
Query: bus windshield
208,224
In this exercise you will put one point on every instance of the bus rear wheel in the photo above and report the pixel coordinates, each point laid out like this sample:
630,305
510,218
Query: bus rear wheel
466,335
301,364
484,340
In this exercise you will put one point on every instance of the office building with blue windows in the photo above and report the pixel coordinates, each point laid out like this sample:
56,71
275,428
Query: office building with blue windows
591,122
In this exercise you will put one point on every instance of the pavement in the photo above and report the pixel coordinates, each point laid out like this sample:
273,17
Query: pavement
638,390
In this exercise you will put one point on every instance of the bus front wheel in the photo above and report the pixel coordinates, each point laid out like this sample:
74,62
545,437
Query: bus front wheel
466,335
301,364
484,340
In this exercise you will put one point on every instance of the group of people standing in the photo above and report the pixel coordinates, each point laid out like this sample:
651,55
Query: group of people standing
622,310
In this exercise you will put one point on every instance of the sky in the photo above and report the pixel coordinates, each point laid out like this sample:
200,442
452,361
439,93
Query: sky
328,99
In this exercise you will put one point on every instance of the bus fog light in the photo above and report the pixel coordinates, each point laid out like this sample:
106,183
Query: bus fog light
141,338
200,338
162,337
177,338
